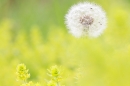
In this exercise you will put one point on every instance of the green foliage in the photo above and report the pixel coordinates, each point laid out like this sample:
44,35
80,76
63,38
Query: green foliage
51,83
54,71
22,72
55,74
36,37
30,84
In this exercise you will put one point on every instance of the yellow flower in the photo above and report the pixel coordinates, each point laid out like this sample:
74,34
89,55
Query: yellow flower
22,72
54,71
51,83
30,84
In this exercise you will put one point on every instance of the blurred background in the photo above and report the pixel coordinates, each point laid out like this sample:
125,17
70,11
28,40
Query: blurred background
33,32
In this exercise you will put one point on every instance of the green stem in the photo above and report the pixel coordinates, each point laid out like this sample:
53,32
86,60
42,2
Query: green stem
24,81
58,83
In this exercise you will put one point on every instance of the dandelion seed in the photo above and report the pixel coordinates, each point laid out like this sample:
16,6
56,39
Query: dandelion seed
86,19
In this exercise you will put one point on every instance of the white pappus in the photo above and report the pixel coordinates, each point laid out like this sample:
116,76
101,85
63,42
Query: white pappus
86,19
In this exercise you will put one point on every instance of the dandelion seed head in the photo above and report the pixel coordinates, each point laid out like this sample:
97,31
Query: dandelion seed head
86,19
